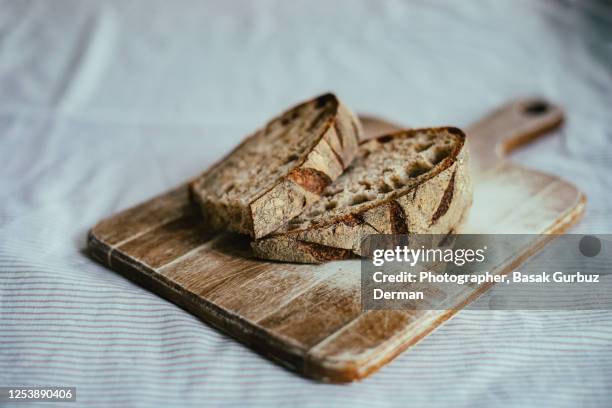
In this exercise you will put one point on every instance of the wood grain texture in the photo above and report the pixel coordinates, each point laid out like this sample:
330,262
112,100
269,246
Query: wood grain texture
308,318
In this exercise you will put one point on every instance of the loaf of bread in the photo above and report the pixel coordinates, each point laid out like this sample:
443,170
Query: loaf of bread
411,181
273,175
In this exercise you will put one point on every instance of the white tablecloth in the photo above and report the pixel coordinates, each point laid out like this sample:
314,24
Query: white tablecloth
106,103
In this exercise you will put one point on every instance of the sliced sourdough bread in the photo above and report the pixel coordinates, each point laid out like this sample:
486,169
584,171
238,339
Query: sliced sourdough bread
280,170
411,181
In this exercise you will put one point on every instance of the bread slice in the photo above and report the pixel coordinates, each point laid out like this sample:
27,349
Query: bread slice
411,181
281,169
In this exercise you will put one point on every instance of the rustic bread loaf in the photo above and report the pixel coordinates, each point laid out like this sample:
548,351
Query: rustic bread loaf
411,181
273,175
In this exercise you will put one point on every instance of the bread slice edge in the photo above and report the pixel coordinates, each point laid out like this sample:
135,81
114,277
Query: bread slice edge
289,195
438,205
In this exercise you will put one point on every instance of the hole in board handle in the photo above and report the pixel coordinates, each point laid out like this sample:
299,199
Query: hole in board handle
536,108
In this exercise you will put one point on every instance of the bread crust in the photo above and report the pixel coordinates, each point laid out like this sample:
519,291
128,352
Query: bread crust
287,196
437,205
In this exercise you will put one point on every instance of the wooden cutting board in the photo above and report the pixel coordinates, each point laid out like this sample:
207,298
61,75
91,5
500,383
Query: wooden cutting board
308,318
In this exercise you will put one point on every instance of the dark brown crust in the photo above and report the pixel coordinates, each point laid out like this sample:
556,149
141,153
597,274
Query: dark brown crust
352,220
324,253
337,156
397,218
322,100
384,139
341,141
446,200
318,120
339,134
312,180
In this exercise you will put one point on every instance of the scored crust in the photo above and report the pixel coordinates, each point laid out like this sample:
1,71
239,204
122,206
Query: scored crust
409,182
280,170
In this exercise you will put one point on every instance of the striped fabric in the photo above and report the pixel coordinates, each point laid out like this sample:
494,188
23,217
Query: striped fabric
104,104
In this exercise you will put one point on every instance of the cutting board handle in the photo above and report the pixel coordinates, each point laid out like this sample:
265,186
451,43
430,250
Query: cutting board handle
509,127
492,138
